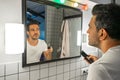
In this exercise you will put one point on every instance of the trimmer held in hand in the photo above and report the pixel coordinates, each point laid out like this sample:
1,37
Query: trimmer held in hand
85,56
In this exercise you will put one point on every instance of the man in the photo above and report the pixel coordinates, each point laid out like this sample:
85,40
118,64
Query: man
104,33
35,46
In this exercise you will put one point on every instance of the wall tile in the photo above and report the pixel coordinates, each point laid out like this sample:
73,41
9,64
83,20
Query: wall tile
81,72
52,78
83,77
11,68
78,78
66,67
52,71
12,77
72,60
43,65
1,78
72,74
66,61
44,79
72,66
59,69
77,65
59,62
83,64
44,73
78,59
66,76
60,77
2,70
52,64
77,72
34,75
35,67
72,79
24,76
23,69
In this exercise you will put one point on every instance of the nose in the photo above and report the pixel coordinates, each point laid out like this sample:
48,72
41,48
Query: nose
36,31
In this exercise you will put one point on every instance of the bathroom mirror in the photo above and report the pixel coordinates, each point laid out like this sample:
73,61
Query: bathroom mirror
59,28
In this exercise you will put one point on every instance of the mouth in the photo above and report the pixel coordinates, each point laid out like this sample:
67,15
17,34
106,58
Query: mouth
35,35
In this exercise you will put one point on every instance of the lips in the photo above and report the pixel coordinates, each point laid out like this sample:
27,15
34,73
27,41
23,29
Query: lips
35,35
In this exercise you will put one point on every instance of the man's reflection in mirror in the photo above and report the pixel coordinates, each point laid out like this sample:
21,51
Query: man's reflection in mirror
37,49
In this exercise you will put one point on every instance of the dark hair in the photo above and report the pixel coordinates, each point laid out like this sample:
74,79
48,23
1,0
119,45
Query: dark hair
108,17
31,23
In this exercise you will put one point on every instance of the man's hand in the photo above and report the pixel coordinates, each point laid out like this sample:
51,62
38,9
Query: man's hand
91,57
94,58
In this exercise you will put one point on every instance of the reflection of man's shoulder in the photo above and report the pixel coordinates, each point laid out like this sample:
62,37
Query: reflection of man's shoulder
41,41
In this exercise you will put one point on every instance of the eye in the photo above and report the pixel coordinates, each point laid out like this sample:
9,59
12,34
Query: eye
89,26
32,30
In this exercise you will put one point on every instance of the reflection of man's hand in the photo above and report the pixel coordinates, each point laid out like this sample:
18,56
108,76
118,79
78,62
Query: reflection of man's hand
48,53
50,49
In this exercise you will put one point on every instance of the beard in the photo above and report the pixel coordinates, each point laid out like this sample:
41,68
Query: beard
94,42
35,36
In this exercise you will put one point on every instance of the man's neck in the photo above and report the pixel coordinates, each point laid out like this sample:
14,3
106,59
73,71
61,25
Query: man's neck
109,44
32,42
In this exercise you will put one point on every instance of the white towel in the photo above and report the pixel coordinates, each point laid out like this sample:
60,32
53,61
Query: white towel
65,52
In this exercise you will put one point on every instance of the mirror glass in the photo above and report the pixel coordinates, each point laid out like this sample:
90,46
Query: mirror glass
52,32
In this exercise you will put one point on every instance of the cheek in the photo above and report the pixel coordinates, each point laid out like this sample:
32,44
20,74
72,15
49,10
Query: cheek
93,35
31,34
39,33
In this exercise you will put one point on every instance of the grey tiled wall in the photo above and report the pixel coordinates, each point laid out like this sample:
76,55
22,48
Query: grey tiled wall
60,70
54,18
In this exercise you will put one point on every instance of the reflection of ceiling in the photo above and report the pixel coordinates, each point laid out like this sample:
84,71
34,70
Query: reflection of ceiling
35,11
71,13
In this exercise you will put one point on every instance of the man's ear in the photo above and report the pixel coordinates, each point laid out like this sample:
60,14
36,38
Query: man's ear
102,34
